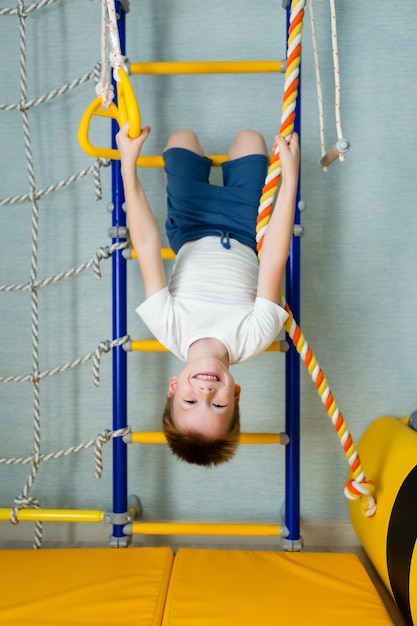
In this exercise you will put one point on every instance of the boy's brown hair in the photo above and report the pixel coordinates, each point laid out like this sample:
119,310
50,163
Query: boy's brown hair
195,448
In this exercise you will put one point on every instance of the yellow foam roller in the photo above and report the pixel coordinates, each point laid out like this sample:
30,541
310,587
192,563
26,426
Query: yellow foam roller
388,449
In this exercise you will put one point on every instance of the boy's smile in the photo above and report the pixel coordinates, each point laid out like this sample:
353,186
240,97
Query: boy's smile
207,376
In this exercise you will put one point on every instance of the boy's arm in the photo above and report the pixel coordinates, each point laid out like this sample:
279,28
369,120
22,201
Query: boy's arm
143,229
280,228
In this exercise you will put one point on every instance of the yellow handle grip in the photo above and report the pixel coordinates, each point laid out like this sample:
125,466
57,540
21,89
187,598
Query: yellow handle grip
96,108
126,111
129,109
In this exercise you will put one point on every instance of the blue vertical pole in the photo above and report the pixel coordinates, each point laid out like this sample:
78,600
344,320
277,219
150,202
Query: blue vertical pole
292,377
119,328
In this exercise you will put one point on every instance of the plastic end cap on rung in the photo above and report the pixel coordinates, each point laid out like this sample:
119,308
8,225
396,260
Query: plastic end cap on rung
285,440
127,254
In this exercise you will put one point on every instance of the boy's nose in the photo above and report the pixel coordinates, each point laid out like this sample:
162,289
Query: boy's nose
206,389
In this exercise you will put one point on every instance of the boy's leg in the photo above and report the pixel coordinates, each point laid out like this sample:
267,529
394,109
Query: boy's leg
247,142
191,198
244,178
185,139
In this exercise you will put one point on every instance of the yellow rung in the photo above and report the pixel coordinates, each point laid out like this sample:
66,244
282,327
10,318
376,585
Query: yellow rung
264,438
188,528
207,67
147,345
278,346
145,437
150,437
158,161
53,515
152,345
166,253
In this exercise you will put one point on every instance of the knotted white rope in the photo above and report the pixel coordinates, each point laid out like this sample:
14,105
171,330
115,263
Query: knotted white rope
111,56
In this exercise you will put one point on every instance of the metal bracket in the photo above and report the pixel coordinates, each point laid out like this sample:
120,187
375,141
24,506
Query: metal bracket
125,5
118,232
118,519
290,545
119,542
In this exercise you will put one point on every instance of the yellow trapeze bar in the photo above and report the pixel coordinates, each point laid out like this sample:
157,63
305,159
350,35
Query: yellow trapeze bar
53,515
152,345
150,437
207,67
187,528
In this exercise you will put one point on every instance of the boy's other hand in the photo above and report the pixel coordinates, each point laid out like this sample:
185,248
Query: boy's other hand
289,154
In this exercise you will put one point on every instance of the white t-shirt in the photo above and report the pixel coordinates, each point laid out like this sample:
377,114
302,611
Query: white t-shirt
212,293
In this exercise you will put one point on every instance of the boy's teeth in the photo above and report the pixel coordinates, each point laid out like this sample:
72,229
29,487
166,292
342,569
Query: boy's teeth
207,377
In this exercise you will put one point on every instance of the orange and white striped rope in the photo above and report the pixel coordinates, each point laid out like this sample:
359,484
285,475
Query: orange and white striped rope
292,73
358,487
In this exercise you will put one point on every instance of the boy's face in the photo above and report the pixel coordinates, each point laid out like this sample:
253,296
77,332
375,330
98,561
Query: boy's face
204,396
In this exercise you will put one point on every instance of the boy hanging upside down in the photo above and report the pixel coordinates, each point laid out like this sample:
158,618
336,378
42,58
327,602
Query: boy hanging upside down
221,306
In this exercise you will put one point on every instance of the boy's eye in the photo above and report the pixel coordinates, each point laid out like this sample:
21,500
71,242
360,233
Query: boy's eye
219,406
190,401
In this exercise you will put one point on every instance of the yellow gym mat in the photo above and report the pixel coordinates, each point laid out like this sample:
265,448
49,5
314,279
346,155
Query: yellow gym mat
84,587
126,587
242,588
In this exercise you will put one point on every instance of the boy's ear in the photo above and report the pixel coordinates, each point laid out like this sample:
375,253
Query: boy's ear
237,393
172,386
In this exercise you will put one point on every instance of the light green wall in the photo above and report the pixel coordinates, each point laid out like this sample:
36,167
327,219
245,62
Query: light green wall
358,250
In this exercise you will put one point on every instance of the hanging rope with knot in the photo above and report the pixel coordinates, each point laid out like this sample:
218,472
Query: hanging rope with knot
358,487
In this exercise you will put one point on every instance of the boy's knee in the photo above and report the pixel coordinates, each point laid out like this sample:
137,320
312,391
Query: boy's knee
247,142
185,139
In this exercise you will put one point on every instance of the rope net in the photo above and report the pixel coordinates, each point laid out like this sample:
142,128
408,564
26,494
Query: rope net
34,284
